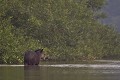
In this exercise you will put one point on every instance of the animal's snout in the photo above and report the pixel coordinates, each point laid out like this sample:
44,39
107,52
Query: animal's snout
44,57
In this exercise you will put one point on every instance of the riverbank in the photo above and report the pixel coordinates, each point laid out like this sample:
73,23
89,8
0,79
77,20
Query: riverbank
71,62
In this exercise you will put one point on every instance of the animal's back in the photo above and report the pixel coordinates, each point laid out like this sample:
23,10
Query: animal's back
29,57
32,57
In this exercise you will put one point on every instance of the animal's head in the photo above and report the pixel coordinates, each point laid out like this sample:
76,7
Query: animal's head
39,51
42,54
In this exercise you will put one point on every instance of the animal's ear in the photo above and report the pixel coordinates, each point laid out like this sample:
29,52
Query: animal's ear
41,50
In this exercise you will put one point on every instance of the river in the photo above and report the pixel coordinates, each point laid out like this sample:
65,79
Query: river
97,70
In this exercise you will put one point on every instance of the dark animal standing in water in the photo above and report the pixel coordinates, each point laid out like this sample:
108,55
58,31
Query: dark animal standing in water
33,57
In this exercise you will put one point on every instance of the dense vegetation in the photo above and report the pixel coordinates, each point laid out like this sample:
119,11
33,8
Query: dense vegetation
66,29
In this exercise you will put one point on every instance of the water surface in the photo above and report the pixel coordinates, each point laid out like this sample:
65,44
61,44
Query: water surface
100,70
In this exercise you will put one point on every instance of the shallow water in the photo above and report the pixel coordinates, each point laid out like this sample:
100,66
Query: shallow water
100,70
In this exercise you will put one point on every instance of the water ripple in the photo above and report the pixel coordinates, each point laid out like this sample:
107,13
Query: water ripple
109,64
84,66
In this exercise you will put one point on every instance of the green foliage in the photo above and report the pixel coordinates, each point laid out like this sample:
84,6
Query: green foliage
67,29
12,47
96,4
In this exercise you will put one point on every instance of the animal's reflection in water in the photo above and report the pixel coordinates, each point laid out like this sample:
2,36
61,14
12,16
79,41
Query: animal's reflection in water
32,73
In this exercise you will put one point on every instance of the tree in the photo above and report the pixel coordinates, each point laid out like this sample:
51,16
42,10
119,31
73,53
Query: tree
69,29
13,42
